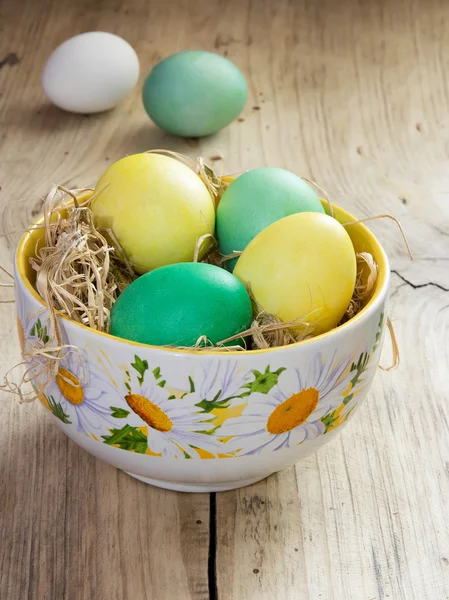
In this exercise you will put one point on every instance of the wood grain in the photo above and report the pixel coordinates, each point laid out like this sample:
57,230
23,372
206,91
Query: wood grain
353,94
366,516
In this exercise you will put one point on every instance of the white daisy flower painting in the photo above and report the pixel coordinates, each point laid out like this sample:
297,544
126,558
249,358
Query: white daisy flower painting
290,412
217,384
168,426
81,394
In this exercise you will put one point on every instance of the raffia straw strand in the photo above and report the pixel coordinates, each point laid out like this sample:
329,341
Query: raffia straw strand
41,363
323,191
362,289
384,217
119,250
372,277
269,331
395,347
199,244
227,257
266,331
41,227
214,183
74,268
71,194
203,343
266,323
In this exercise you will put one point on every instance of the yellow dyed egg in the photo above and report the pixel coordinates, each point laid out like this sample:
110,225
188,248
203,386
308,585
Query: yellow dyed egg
156,207
301,267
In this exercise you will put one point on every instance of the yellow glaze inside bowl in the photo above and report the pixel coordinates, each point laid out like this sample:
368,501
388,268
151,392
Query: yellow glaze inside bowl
362,238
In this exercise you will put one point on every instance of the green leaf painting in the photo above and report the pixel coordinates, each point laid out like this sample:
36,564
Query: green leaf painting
127,380
127,438
362,364
360,367
40,332
141,366
158,377
263,382
329,420
208,405
191,390
332,420
57,410
379,332
348,412
119,413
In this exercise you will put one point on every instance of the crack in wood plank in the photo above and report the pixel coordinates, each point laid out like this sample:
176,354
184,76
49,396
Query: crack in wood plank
212,558
417,286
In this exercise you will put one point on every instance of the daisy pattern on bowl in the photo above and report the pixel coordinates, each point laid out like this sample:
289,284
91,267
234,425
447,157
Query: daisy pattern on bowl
34,335
291,412
81,394
217,384
32,329
176,428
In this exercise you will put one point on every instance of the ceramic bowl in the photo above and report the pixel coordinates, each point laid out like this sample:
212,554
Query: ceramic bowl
206,421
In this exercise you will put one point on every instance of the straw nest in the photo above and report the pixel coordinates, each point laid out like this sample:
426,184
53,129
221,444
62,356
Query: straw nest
81,271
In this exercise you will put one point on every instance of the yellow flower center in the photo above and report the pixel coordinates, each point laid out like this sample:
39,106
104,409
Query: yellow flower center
149,412
293,411
70,386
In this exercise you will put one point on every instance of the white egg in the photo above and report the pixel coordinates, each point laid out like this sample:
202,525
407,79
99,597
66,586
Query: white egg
90,72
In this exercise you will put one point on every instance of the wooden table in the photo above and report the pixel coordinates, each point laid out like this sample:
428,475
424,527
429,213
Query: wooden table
355,95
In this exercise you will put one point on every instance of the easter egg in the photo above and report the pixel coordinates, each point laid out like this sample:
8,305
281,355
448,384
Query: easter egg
194,93
301,267
90,72
257,199
156,207
177,304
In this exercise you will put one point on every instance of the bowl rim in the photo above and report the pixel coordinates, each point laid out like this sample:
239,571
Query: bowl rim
375,301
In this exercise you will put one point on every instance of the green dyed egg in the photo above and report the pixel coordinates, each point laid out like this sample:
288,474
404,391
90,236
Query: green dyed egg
257,199
176,304
194,93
